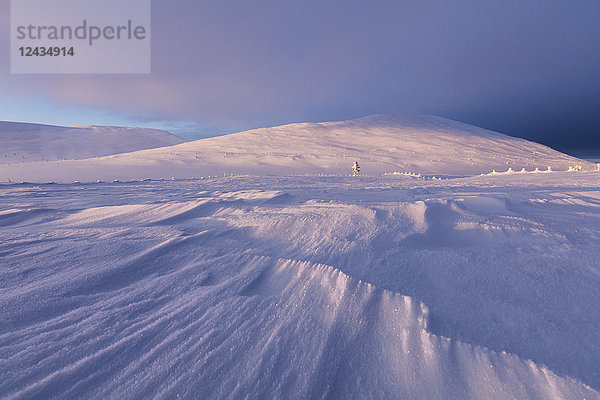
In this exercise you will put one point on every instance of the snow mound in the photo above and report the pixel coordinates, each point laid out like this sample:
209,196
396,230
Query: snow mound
381,143
23,142
221,291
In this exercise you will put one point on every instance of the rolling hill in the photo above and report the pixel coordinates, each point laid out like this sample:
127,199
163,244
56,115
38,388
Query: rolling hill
24,142
381,143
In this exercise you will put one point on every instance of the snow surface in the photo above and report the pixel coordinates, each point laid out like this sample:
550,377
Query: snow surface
372,287
381,143
383,287
23,142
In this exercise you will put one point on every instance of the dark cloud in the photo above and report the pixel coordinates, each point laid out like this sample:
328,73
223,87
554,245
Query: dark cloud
529,68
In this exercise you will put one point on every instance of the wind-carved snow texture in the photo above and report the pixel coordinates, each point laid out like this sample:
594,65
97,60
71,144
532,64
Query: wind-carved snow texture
320,287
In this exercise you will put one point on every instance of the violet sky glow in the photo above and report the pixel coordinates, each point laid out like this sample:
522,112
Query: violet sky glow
526,68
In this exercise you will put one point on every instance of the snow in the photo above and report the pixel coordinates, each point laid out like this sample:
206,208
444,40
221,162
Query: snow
305,286
23,142
382,144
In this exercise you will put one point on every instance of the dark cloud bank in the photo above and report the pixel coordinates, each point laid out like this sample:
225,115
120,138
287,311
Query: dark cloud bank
526,68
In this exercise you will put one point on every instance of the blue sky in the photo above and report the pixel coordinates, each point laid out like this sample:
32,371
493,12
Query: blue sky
526,68
41,109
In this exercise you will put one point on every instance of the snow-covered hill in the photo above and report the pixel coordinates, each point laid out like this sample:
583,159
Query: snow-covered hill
23,142
382,144
298,286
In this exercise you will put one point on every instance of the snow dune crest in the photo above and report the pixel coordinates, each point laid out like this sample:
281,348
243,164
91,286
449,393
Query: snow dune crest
225,290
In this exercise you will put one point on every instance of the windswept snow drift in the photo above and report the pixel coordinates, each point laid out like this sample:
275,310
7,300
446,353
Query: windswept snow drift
382,144
23,142
320,287
290,286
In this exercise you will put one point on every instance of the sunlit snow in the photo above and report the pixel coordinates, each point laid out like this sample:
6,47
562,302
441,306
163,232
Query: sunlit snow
293,279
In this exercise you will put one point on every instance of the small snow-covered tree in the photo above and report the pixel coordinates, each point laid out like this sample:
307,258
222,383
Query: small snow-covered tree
355,169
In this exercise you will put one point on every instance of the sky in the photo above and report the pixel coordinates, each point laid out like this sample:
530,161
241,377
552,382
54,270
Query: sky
526,68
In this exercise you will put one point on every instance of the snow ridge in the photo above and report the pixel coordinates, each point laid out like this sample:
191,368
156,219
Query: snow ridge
24,143
383,144
225,290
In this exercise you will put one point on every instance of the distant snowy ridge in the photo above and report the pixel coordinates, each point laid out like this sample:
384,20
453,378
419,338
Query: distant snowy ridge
381,143
24,142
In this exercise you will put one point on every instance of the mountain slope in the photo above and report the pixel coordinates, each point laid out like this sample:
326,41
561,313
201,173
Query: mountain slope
23,142
382,144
